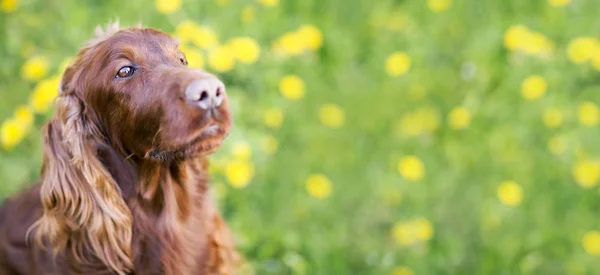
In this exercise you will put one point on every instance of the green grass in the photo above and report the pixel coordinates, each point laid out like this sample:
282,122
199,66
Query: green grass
281,228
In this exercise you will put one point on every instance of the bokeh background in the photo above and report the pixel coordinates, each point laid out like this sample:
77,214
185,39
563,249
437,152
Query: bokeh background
371,137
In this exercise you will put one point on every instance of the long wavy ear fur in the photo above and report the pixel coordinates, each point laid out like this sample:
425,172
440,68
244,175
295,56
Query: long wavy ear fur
83,206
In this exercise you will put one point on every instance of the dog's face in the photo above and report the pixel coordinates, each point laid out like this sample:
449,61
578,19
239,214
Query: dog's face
136,84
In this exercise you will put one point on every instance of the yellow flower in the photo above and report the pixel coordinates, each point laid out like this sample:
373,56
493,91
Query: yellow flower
318,186
439,6
292,87
273,117
221,59
9,6
24,116
559,3
239,173
269,3
412,231
537,43
11,133
459,118
553,118
331,115
591,242
248,14
203,37
557,145
245,49
194,58
411,168
270,145
581,49
35,68
402,270
515,37
397,64
312,37
588,114
533,87
241,150
43,95
290,43
586,173
510,193
167,6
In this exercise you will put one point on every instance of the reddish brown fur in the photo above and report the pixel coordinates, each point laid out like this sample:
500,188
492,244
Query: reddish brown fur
124,181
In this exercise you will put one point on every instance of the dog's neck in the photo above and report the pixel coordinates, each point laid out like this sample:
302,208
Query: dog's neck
166,200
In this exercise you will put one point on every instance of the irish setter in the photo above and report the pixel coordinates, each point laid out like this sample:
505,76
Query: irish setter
124,179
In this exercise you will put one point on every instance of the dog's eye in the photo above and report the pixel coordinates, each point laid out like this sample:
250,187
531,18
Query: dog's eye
126,71
183,61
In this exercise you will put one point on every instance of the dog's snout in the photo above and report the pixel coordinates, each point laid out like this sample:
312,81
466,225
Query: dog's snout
205,93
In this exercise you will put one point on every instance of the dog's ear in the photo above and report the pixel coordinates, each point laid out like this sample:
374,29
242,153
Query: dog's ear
83,208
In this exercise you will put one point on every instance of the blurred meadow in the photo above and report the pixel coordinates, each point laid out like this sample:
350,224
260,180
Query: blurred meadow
371,137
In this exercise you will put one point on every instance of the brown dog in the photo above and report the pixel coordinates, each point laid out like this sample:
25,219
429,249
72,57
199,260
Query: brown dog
124,178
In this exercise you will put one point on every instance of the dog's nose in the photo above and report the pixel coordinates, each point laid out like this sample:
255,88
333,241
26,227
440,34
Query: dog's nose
205,93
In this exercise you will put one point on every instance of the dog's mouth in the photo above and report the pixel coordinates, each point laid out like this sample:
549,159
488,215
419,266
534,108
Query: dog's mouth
205,142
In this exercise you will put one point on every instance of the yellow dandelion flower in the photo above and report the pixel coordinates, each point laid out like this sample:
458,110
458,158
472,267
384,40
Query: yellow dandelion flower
248,14
290,43
221,59
331,115
24,115
459,118
534,87
402,270
167,6
412,231
245,49
559,3
411,168
312,37
35,68
43,94
438,6
586,173
423,229
510,193
397,64
588,113
194,58
591,242
9,6
239,173
11,133
318,186
553,118
557,145
596,59
241,150
581,49
515,37
537,43
273,118
186,30
205,38
269,3
270,145
292,87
